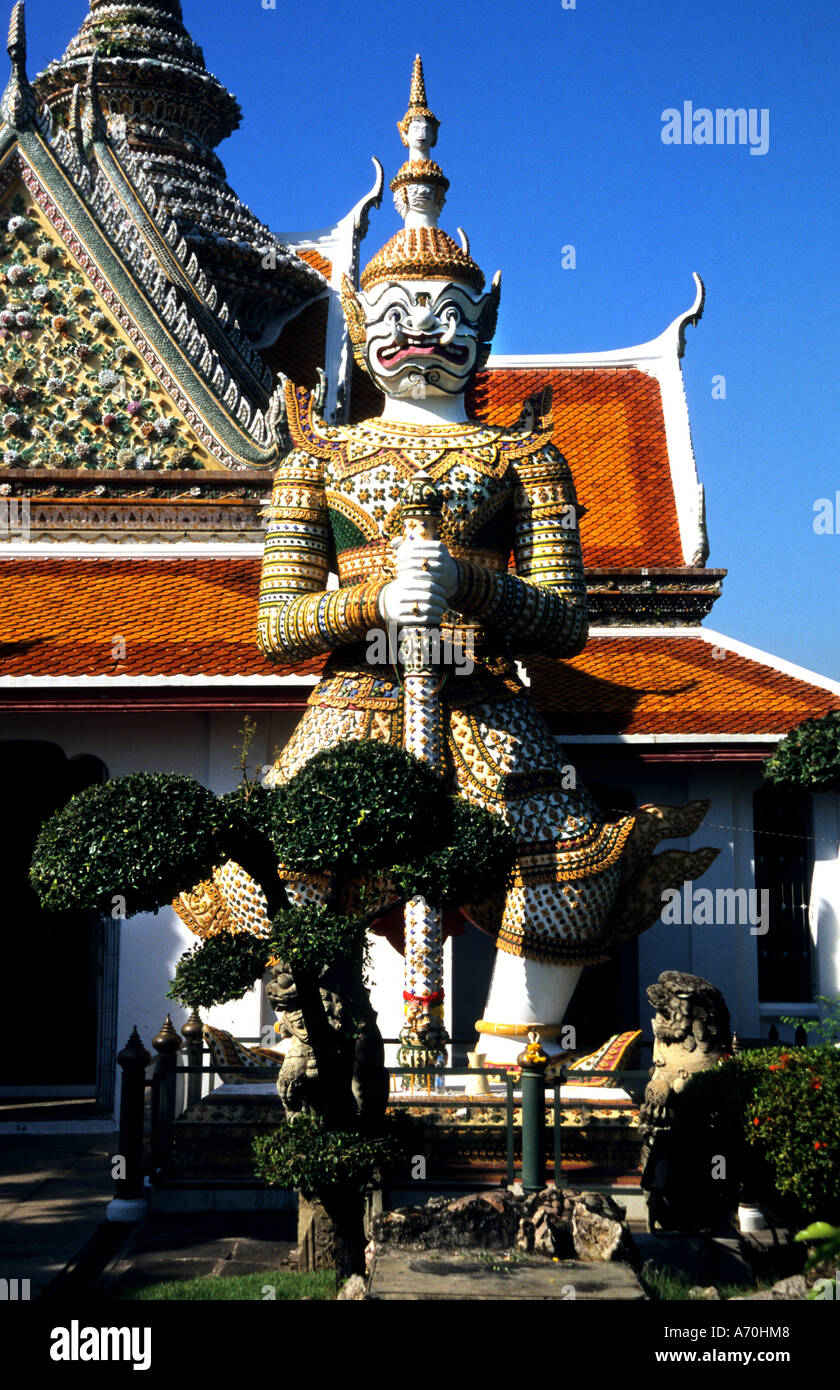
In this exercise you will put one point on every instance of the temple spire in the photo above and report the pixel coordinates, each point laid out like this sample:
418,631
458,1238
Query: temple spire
418,111
419,187
142,78
18,106
417,95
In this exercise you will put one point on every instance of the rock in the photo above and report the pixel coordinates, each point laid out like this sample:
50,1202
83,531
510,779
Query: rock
552,1236
710,1293
555,1225
481,1220
354,1289
599,1231
784,1290
549,1198
792,1287
525,1236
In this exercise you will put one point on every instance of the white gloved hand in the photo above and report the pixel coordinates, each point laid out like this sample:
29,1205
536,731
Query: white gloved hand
427,577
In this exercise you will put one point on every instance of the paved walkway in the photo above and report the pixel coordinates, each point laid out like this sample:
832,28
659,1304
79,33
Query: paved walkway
53,1194
211,1245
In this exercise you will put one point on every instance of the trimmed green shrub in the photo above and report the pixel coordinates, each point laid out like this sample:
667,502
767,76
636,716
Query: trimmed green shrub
303,1155
144,838
474,866
249,810
361,805
809,756
309,938
222,968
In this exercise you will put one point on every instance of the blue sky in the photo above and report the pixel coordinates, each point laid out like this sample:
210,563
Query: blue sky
551,135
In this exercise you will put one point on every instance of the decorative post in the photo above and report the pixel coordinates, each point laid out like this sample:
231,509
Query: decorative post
129,1203
533,1062
167,1045
558,1079
423,1037
193,1033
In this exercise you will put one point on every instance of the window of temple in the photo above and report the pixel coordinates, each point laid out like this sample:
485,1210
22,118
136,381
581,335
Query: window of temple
784,863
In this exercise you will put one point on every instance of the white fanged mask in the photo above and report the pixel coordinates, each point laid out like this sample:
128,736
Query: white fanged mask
426,337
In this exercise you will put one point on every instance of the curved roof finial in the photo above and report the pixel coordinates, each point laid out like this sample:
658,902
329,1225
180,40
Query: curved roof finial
18,106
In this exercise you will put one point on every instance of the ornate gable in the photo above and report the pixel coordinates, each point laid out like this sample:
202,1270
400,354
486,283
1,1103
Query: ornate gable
76,393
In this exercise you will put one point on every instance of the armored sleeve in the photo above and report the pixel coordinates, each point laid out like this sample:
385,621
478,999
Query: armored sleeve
299,616
542,606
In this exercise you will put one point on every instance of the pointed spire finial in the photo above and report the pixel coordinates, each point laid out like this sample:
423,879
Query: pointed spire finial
18,106
417,95
16,45
418,111
93,120
419,187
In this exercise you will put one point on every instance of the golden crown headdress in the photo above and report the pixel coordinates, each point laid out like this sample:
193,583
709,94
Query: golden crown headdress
421,251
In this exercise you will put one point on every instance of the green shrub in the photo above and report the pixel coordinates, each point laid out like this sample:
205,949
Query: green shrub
222,968
823,1030
144,838
777,1111
309,938
824,1238
302,1155
361,805
793,1119
250,809
809,756
475,866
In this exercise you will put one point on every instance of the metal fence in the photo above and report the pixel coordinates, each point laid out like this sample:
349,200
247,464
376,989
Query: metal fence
150,1104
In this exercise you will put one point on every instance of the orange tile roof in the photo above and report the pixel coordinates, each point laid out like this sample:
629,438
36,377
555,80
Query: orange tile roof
176,617
609,424
314,258
197,617
675,685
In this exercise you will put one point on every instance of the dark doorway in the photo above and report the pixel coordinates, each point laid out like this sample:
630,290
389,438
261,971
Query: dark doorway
48,1019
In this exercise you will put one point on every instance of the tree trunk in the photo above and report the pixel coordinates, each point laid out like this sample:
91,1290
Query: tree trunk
331,1234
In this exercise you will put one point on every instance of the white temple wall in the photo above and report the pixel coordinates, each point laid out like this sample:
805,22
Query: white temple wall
723,953
206,746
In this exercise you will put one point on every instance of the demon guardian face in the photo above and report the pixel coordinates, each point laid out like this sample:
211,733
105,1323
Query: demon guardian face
422,337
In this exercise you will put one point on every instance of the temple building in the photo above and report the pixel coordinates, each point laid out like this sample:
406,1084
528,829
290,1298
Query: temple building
147,318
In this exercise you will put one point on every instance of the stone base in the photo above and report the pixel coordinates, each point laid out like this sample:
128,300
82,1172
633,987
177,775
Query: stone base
498,1275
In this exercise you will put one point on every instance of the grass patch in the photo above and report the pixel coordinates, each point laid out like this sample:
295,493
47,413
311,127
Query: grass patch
664,1285
288,1286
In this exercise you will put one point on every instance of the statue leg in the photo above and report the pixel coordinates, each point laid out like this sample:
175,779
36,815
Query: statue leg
525,993
566,875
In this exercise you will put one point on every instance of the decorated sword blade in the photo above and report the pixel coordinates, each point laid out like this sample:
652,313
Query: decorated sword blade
423,1036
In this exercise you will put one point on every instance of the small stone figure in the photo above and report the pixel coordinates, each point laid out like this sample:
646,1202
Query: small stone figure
686,1184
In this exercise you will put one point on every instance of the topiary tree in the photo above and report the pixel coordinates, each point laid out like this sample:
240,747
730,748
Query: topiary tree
809,756
374,826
